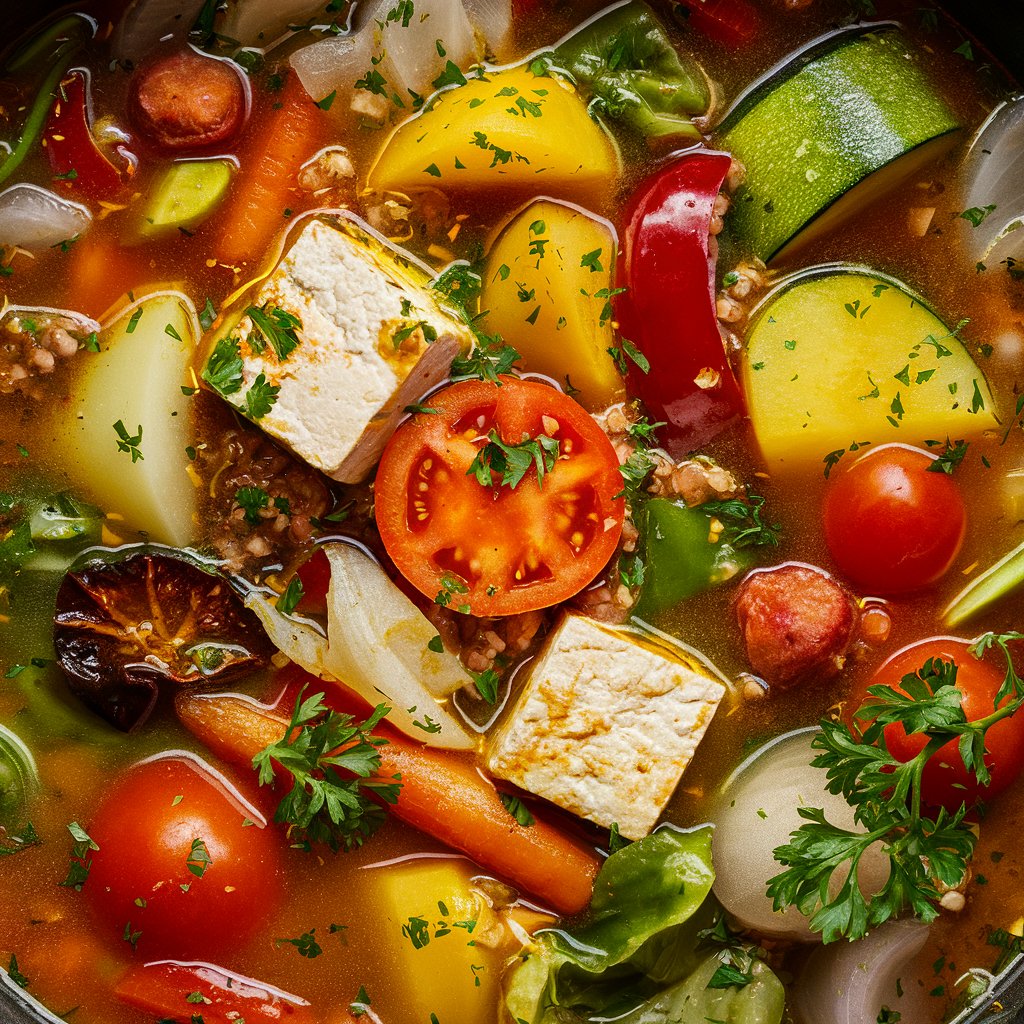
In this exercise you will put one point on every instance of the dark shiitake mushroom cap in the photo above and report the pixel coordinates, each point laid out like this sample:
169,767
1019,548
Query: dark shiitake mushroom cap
125,630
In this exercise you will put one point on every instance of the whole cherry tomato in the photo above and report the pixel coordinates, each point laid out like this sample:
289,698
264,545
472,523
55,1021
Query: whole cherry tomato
893,524
946,782
184,866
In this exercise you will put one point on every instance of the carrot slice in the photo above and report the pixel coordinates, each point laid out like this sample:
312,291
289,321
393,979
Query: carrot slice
289,135
442,794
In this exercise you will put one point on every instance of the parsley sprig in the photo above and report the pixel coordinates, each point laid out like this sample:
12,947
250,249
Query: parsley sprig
334,762
511,462
276,326
488,361
926,854
744,527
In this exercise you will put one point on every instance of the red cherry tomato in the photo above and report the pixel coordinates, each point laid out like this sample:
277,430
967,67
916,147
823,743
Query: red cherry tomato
162,989
945,781
891,524
498,550
177,866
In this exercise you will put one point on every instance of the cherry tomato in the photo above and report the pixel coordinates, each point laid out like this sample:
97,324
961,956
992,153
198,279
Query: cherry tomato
945,781
891,524
162,989
178,870
498,550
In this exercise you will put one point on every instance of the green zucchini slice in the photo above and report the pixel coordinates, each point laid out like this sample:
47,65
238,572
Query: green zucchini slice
837,125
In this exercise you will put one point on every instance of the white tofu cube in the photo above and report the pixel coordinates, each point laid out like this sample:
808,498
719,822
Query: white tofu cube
372,341
605,725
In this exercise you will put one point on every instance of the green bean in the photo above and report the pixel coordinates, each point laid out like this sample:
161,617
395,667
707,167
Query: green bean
67,26
40,109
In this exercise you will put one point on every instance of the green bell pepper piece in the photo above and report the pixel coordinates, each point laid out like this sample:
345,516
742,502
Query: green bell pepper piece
679,558
626,61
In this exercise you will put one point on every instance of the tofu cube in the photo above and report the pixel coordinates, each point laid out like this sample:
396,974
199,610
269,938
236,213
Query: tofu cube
372,340
605,725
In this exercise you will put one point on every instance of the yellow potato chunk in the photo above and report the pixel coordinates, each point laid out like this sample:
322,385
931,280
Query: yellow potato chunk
547,285
842,357
442,933
135,380
510,130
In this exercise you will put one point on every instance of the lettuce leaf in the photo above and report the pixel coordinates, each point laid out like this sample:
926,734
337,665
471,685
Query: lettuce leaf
638,956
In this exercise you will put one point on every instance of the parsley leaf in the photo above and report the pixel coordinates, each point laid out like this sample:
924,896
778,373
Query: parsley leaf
223,370
276,326
744,527
487,683
512,461
950,457
260,398
306,944
252,500
334,764
129,443
488,361
290,596
927,854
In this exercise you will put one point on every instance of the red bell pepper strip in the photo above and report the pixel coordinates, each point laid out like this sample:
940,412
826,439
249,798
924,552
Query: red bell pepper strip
667,308
733,23
77,161
183,991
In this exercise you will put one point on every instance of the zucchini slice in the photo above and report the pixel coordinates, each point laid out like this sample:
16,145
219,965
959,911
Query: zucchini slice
840,357
826,133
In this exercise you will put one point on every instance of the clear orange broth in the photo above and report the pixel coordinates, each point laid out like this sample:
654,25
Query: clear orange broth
48,927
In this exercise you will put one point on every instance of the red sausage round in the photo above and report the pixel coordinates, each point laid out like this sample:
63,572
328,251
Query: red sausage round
796,622
188,101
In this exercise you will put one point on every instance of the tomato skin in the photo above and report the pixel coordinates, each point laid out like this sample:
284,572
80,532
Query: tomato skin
945,781
162,989
891,525
733,23
146,834
315,576
506,550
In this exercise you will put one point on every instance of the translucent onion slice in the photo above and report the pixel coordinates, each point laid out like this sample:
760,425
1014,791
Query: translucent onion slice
493,20
262,22
850,982
755,812
993,175
335,64
378,645
36,218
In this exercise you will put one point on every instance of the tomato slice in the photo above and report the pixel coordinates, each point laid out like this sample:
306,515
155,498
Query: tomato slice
498,550
182,992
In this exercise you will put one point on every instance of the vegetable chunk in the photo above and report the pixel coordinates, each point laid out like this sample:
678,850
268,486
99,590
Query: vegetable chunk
512,130
140,472
553,301
839,358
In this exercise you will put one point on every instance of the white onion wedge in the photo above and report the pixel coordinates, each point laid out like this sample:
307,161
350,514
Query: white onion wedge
36,218
335,64
262,22
301,643
994,177
850,982
755,812
493,20
378,646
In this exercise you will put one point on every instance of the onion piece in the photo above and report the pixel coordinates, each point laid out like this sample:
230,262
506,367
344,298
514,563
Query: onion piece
378,647
493,20
148,22
301,643
407,57
755,812
35,218
335,65
850,982
994,177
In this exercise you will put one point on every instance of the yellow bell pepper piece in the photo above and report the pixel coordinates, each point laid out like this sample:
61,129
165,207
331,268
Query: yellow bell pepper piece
512,130
547,285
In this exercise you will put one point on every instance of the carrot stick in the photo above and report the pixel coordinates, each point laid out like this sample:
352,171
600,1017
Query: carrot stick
289,135
442,794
